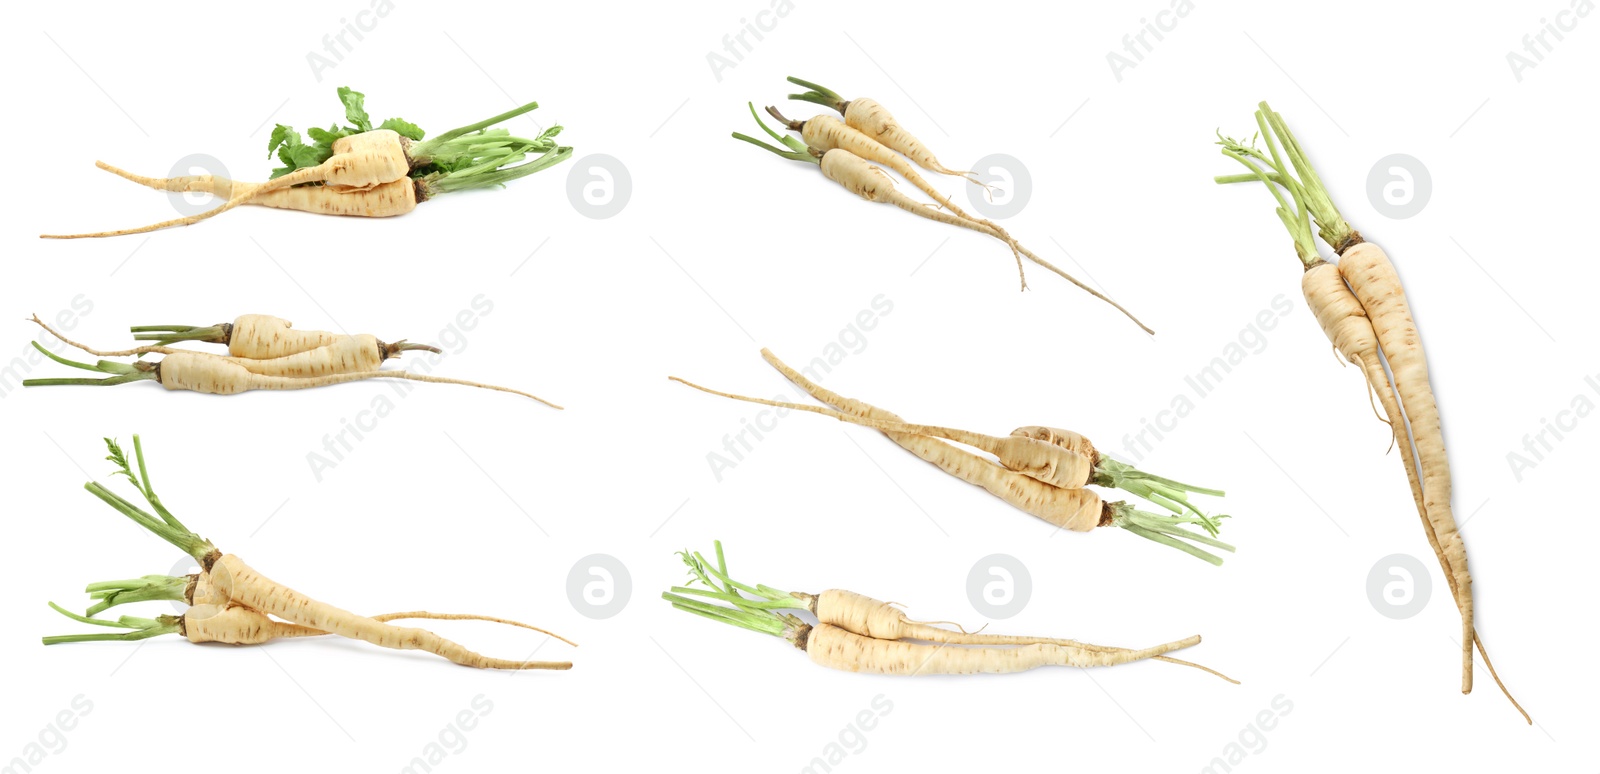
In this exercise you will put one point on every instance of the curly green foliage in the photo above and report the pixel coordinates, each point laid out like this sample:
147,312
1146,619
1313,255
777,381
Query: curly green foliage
295,154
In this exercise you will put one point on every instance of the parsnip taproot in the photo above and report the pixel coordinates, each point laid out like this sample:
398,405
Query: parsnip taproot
377,171
860,177
197,590
827,133
1077,509
1059,458
845,646
216,375
378,200
861,614
250,597
874,120
342,354
254,336
1361,306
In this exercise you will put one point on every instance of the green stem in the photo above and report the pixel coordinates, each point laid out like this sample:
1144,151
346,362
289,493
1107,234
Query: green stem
789,141
1298,223
1248,177
790,155
486,176
1170,494
493,145
149,492
66,362
1198,553
1331,225
1166,531
122,373
791,603
150,588
110,381
766,624
143,628
759,615
195,546
423,151
818,94
170,334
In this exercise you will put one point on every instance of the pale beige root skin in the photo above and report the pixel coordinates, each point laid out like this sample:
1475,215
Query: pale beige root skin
345,354
867,181
869,617
245,586
237,625
1035,459
1078,510
837,648
384,200
369,162
1376,285
262,337
215,185
216,375
370,166
258,335
1344,321
378,200
826,133
205,592
1066,439
872,119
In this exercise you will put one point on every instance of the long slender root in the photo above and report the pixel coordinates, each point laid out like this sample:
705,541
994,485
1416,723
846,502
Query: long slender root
1091,291
424,615
147,350
234,201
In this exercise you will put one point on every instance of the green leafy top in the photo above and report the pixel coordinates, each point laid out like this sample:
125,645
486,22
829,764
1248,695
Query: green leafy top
295,154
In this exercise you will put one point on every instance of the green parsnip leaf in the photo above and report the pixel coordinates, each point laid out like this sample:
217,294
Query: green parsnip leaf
294,153
404,128
355,110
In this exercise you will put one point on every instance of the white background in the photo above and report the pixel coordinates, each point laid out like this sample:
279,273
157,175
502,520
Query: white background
481,502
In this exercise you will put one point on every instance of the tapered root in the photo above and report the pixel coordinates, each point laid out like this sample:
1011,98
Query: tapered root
148,350
209,184
419,615
447,380
1091,291
234,201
